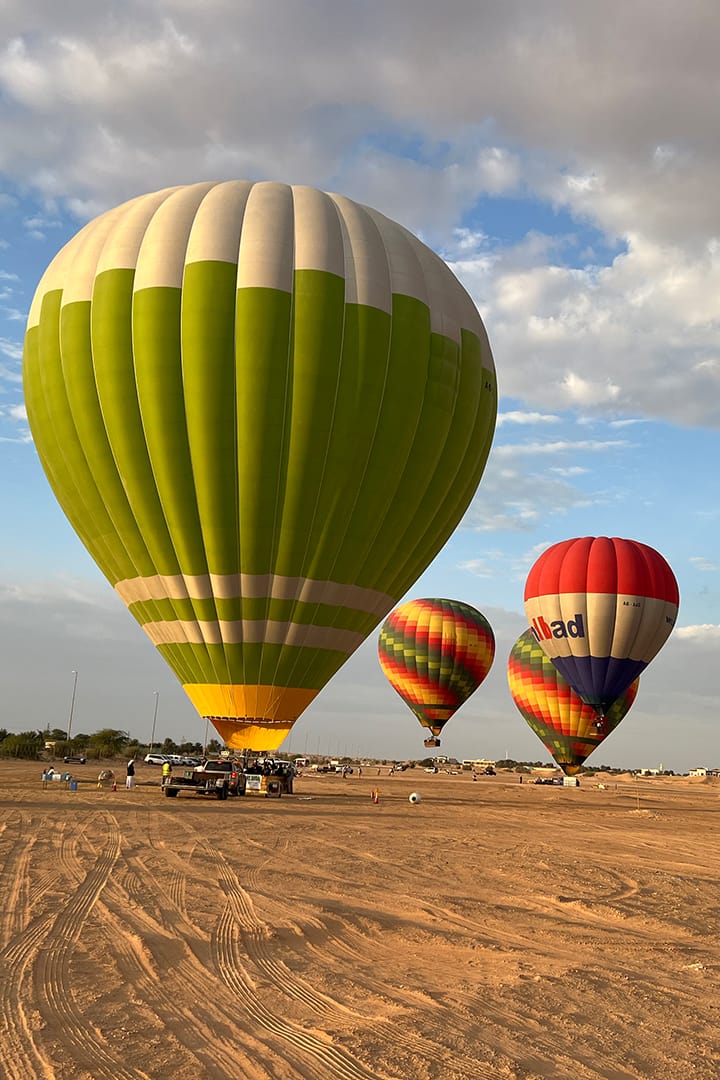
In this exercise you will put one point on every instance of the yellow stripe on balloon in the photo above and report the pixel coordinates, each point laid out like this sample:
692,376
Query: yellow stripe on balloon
261,704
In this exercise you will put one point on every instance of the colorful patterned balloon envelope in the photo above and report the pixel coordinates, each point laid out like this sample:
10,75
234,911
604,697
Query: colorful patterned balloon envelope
435,653
264,410
601,608
569,729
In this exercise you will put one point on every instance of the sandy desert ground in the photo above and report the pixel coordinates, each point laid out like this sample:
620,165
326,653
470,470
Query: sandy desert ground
494,930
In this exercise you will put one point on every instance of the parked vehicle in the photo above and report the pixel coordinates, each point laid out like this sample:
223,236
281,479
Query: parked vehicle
74,759
155,759
218,778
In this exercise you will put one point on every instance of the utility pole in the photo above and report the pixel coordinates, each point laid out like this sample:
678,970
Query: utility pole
156,694
72,704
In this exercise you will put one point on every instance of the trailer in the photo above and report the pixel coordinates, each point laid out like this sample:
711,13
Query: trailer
268,776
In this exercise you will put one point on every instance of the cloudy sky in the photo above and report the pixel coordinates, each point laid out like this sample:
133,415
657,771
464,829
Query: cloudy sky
562,157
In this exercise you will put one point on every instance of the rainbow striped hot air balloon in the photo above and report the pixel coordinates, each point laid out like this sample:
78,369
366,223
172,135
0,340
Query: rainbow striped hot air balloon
567,727
264,409
435,653
601,608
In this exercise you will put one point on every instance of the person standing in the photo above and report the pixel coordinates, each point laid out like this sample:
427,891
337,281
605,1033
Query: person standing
166,772
130,774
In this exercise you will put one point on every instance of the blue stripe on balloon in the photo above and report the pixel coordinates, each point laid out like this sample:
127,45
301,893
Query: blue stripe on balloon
599,680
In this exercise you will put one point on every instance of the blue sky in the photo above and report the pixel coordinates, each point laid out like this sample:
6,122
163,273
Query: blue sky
565,164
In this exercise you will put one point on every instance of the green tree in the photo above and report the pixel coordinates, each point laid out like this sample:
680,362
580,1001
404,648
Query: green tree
27,744
108,743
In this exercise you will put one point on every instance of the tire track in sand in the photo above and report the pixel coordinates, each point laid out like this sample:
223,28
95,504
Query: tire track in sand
239,915
241,919
51,970
22,1058
20,939
334,1063
161,955
14,880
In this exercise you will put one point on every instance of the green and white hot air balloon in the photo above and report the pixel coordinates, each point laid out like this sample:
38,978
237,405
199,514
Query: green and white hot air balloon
264,409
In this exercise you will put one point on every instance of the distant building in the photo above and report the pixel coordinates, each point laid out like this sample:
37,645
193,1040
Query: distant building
478,763
698,772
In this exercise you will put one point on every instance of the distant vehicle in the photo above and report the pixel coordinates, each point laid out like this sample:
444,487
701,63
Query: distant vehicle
155,759
302,762
74,759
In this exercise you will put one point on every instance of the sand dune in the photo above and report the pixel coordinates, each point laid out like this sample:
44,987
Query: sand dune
495,930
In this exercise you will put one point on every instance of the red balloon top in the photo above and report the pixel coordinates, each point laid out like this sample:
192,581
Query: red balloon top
602,564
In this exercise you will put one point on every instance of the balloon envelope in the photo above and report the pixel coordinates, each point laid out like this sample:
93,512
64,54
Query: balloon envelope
264,409
601,608
559,717
435,653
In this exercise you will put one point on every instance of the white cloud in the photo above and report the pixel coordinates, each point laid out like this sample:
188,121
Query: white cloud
703,634
511,498
569,470
637,337
583,393
58,591
517,417
511,450
12,350
101,104
704,565
477,567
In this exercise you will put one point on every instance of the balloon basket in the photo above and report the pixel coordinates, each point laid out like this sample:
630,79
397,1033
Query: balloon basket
431,742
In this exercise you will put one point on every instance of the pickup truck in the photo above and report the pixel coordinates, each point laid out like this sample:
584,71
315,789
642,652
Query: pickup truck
218,778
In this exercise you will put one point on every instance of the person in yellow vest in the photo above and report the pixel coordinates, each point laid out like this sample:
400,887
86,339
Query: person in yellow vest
166,772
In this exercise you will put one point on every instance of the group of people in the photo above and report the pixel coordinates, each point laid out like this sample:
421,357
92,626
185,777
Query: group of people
130,773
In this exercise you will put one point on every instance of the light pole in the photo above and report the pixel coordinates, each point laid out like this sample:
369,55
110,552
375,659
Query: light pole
156,694
72,705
